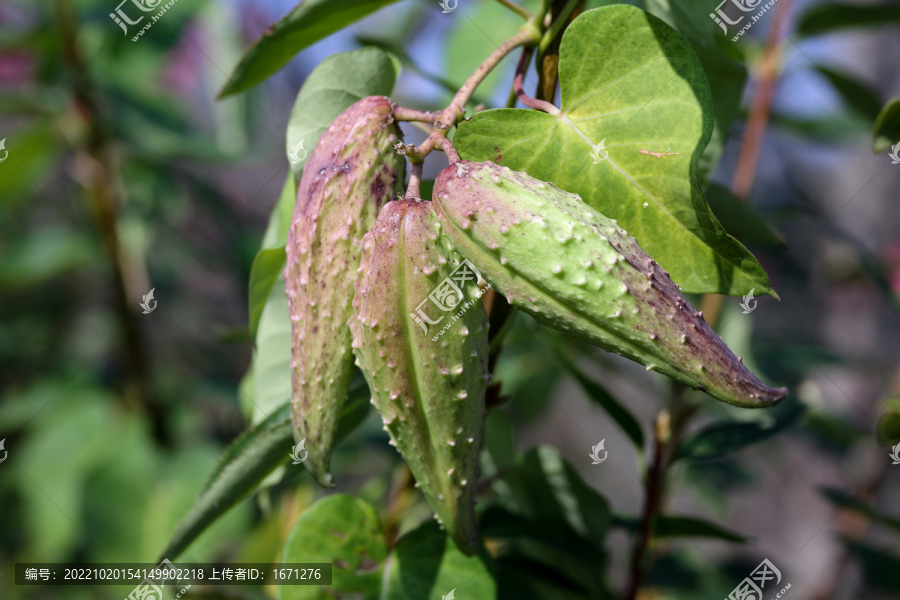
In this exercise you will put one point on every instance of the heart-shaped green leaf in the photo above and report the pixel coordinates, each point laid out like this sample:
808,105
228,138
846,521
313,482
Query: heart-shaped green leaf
726,77
636,116
306,24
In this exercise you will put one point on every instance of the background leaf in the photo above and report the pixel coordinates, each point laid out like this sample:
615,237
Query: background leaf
613,408
845,500
738,217
252,457
826,18
721,439
335,84
547,488
881,567
242,467
629,79
267,266
886,132
888,426
306,24
346,532
668,526
856,94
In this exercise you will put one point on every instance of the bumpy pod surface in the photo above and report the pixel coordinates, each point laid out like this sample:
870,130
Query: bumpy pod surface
350,175
575,270
426,366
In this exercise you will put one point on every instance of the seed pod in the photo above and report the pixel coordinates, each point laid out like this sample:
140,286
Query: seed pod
421,335
575,270
351,173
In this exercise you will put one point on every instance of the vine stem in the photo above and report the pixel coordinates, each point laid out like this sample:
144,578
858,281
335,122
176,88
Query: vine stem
442,121
524,98
652,499
447,146
520,10
454,112
415,181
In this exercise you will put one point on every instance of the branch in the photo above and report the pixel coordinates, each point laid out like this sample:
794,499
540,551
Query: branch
401,113
652,498
447,146
770,65
454,112
520,10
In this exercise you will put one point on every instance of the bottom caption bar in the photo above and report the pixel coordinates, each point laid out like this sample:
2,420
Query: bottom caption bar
153,576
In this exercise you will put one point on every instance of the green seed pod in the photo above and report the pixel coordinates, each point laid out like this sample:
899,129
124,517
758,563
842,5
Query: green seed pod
421,336
575,270
351,173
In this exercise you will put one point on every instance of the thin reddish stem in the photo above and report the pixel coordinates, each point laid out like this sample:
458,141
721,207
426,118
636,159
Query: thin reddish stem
524,98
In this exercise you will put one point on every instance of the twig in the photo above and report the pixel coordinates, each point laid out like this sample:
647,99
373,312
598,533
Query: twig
520,10
97,160
401,113
652,498
769,68
524,98
455,111
415,181
447,146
